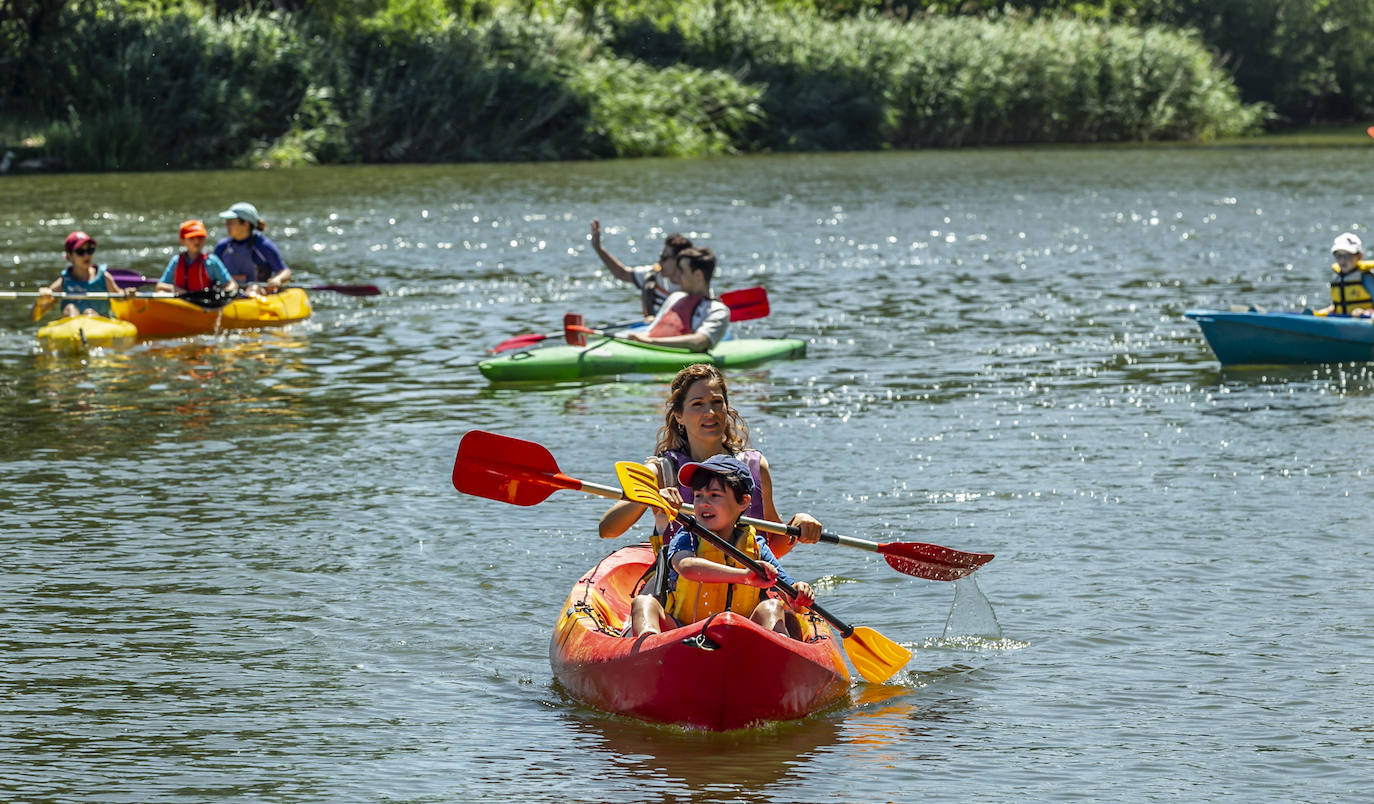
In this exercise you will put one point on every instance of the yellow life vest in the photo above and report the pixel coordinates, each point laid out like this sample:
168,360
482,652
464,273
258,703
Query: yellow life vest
1347,290
692,602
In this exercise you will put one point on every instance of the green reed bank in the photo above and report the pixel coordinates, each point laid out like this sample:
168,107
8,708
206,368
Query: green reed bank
110,85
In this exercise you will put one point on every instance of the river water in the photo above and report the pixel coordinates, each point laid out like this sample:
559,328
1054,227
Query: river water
234,568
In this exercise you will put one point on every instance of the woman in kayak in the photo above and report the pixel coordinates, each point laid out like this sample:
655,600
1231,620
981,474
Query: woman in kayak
252,259
193,271
1352,289
699,423
690,319
81,275
655,282
702,581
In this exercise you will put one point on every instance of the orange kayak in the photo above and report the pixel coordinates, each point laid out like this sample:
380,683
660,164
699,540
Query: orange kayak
722,673
170,318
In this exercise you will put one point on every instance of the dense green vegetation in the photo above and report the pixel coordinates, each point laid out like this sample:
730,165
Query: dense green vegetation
148,84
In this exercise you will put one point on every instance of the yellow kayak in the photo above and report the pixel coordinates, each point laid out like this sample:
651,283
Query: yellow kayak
86,330
171,318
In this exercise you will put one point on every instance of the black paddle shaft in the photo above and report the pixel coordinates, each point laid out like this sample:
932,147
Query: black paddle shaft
739,555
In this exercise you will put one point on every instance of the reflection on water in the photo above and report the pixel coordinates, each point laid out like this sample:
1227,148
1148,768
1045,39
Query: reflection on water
747,765
78,402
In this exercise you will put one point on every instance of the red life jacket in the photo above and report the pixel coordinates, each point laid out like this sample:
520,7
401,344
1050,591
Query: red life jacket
191,275
678,319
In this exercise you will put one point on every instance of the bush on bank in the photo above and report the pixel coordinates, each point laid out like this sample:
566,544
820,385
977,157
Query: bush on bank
180,88
868,81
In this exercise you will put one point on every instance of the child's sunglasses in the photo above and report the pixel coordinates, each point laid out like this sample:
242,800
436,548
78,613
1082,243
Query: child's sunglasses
84,252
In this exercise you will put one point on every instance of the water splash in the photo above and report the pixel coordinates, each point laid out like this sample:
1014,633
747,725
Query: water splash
971,614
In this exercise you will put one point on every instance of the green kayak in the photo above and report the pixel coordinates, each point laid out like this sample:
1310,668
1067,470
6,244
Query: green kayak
607,356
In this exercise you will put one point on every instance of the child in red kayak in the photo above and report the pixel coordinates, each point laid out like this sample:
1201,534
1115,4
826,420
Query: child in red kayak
82,275
699,422
702,580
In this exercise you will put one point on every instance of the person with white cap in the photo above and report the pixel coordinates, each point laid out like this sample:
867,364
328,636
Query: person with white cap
253,261
1352,289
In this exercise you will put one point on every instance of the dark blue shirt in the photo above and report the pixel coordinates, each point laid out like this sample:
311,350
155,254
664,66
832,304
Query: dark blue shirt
253,260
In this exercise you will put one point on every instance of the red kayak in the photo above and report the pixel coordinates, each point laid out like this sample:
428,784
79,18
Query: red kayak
722,673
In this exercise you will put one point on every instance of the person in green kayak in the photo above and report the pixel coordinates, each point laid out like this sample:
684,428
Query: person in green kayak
690,318
195,272
656,282
1352,289
81,275
699,423
702,580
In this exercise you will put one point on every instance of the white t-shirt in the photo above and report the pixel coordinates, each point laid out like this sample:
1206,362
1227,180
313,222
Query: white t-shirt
710,319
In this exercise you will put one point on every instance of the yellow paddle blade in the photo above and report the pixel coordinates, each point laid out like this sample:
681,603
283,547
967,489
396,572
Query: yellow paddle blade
876,657
640,484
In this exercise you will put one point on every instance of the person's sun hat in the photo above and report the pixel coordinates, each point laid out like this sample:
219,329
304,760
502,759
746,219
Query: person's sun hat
723,465
1348,243
192,228
76,240
244,211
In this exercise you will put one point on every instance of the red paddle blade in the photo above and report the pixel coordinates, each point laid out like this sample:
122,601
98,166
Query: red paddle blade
518,342
746,304
573,329
507,469
931,561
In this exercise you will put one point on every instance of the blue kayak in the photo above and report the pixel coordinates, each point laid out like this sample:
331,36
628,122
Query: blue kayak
1255,338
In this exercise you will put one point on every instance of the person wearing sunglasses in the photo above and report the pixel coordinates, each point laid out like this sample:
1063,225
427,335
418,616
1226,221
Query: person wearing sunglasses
656,282
81,275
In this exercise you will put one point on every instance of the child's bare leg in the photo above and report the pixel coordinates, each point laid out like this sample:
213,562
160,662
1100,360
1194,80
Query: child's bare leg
647,616
771,614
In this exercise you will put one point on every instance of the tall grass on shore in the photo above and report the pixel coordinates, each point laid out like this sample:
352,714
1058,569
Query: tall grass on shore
131,91
867,82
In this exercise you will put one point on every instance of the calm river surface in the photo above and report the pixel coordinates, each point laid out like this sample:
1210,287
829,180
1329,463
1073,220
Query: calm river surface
235,569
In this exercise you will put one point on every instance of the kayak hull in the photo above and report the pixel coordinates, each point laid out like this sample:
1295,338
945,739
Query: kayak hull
76,332
603,357
1254,338
720,674
170,318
